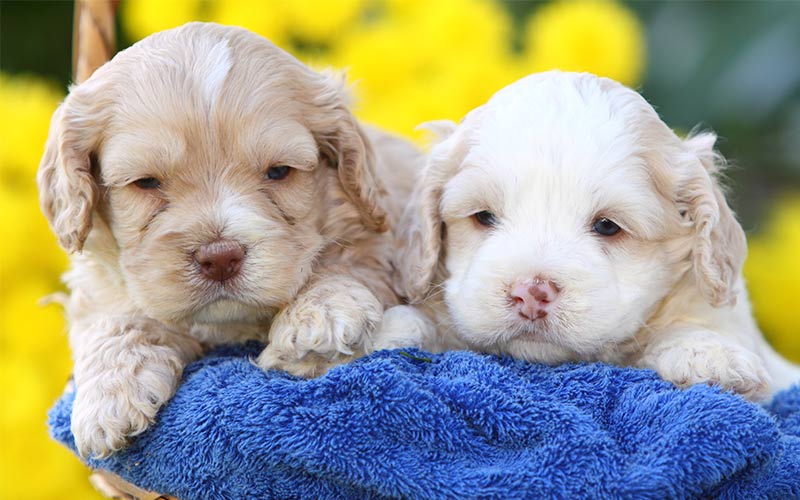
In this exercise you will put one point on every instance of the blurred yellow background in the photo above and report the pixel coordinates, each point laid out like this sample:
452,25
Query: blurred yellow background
410,61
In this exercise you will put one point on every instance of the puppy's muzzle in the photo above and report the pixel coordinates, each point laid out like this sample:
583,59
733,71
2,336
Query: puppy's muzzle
220,260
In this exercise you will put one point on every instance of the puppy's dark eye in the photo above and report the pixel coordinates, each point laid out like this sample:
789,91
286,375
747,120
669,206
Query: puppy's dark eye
605,227
485,218
147,183
278,172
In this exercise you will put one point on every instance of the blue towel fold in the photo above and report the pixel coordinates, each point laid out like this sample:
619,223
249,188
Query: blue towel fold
410,424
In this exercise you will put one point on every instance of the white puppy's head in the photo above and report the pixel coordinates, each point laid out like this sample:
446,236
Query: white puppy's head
560,214
207,169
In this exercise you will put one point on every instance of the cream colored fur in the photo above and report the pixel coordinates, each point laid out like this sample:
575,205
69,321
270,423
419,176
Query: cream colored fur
206,110
548,156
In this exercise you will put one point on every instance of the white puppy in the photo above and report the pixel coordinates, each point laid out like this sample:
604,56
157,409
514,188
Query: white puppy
213,189
564,220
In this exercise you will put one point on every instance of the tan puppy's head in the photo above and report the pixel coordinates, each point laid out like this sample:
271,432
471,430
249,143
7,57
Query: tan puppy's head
211,168
557,217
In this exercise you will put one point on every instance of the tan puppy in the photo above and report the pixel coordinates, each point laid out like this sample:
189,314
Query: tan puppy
213,189
563,220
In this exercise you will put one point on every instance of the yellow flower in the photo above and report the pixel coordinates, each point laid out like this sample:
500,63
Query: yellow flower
598,36
320,20
773,275
143,17
427,60
445,96
314,21
34,357
473,31
34,368
32,465
267,18
26,105
29,248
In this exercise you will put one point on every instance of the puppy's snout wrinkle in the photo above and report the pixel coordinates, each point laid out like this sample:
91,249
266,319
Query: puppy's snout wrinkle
533,297
220,260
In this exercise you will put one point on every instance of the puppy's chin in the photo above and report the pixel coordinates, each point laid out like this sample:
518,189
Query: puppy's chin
231,311
537,342
537,351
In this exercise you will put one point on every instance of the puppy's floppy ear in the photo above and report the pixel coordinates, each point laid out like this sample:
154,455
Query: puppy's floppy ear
347,148
67,189
719,246
420,231
357,174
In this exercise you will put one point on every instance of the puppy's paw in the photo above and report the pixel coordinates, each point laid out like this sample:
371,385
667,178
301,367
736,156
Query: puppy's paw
121,401
711,360
404,326
327,325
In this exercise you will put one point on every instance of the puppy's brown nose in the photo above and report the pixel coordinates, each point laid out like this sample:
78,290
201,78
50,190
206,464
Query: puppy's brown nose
220,260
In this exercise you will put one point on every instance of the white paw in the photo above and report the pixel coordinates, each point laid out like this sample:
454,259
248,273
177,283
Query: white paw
404,326
122,400
325,326
710,360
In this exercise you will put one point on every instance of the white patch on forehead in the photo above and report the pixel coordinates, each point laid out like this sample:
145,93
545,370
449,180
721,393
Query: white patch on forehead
212,69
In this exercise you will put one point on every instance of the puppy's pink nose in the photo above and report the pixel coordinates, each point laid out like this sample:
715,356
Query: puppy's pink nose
220,260
533,297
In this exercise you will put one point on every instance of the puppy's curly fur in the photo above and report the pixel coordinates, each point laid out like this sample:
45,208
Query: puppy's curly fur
165,150
511,195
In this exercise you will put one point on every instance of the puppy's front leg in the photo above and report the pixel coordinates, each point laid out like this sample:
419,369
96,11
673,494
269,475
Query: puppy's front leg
691,355
327,324
126,368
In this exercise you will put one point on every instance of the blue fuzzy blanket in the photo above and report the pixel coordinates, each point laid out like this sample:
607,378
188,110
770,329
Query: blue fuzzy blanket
456,425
